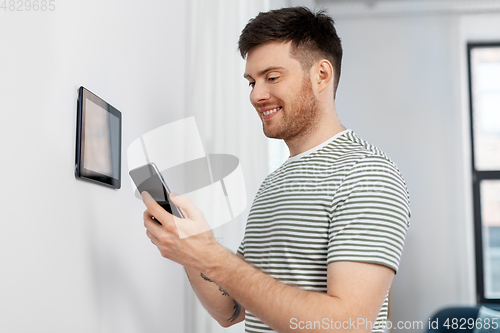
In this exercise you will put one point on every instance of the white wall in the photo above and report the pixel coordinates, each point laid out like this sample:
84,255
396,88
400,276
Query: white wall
404,88
74,255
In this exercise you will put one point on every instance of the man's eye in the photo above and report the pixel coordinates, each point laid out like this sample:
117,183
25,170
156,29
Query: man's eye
251,84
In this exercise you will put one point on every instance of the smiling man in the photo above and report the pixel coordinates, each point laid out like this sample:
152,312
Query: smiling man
326,229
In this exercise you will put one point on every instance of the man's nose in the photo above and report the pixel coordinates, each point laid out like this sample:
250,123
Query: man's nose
259,94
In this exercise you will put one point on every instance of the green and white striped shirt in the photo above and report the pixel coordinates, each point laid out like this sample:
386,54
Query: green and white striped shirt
343,200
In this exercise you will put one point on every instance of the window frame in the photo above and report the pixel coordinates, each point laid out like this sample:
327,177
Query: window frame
477,177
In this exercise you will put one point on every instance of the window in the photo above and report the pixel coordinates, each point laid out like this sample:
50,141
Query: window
484,88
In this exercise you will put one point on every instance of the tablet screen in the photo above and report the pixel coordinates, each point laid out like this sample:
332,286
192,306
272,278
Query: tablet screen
99,140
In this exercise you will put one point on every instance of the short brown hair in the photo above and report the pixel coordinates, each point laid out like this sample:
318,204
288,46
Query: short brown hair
313,36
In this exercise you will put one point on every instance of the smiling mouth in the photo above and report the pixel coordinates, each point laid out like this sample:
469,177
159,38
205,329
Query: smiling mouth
267,113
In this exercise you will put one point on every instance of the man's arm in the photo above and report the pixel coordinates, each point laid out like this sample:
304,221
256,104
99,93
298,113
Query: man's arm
355,295
221,306
355,291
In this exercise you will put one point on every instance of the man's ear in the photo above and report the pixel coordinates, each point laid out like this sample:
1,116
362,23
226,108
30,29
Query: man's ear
324,74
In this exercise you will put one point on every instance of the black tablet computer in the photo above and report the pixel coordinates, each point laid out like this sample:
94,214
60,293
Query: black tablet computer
98,140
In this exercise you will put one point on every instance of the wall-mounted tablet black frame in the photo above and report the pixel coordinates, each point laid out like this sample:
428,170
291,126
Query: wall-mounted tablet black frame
80,171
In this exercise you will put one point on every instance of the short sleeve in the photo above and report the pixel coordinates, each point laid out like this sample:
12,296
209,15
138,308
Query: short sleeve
370,214
241,248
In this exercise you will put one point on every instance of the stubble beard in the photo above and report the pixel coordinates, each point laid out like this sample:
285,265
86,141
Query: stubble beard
299,117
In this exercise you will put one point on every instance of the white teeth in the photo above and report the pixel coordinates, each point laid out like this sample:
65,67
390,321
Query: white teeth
267,113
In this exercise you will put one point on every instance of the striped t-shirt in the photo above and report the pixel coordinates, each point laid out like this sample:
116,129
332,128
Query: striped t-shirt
343,201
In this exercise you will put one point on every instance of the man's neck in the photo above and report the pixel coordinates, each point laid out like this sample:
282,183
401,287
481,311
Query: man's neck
324,129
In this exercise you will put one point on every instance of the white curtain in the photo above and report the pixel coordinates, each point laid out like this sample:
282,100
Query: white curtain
218,97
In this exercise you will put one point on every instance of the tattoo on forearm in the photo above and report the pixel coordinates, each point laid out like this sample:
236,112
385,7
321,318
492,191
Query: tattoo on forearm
206,278
237,310
236,306
224,293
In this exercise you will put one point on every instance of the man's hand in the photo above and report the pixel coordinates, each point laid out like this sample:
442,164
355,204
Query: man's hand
189,241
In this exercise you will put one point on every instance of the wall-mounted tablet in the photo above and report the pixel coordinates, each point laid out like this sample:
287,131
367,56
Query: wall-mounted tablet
98,140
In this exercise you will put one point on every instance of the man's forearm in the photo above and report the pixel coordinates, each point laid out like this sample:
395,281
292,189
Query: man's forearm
221,306
274,303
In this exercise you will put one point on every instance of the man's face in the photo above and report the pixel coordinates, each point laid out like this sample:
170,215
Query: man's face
281,91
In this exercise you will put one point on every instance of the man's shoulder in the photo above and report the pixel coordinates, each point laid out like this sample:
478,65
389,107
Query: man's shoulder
346,154
348,150
359,160
369,158
351,145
